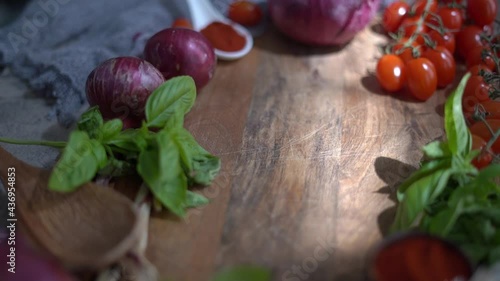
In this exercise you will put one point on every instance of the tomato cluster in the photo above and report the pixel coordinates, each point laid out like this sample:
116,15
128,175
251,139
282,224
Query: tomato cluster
430,41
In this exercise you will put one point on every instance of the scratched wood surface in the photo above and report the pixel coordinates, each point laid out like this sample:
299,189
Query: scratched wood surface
311,150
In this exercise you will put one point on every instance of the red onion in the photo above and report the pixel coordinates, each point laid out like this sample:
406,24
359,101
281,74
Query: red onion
121,87
182,51
322,22
27,264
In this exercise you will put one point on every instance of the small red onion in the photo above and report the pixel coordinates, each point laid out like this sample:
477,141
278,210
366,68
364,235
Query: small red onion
121,87
182,51
322,22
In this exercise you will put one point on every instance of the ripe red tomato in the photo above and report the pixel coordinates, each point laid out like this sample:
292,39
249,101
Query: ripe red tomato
475,56
420,7
468,38
482,12
245,13
476,91
452,18
444,63
391,73
480,129
421,78
446,40
393,15
182,22
485,157
475,69
407,53
410,26
492,108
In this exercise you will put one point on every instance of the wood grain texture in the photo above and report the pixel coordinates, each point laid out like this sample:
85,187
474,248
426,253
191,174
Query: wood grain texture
311,150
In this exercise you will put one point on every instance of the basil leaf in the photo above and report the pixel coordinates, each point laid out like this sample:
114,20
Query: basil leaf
200,166
436,150
176,94
130,140
457,133
91,122
418,196
111,129
160,168
442,223
194,200
77,165
117,168
425,170
99,153
244,273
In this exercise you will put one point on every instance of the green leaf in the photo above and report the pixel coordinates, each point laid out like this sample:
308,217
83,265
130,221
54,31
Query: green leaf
77,165
436,150
428,168
91,122
111,129
444,221
420,194
160,168
457,133
130,140
99,153
244,273
194,200
175,95
200,166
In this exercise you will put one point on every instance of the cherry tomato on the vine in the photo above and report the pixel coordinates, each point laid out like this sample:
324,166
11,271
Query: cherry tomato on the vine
245,13
410,26
391,73
393,15
475,92
480,55
480,129
421,78
485,157
468,38
444,64
446,40
407,53
475,69
492,109
482,12
182,22
421,4
451,18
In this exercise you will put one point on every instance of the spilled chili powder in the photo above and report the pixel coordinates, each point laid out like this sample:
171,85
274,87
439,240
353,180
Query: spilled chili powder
224,37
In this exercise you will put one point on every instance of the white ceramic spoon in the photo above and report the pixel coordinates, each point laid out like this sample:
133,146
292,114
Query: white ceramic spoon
203,13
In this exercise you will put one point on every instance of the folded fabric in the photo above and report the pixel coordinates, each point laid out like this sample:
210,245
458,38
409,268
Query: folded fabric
54,44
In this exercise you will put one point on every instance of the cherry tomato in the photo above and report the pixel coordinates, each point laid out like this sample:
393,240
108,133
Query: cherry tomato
421,78
407,53
446,40
391,73
182,22
393,15
451,17
475,69
485,157
475,56
468,38
492,108
480,129
476,91
444,63
245,13
451,1
420,7
482,12
410,26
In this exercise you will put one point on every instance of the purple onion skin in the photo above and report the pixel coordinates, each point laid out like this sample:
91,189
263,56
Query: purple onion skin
182,51
322,22
121,87
29,265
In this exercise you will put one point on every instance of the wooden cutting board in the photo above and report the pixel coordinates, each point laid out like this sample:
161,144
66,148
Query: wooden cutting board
311,151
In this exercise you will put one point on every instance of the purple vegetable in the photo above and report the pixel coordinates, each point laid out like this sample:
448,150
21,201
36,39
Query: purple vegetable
182,51
121,87
322,22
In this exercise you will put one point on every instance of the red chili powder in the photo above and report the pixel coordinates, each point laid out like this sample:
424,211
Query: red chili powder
224,37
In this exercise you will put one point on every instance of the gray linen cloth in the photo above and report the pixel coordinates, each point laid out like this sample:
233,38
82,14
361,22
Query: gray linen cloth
54,44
